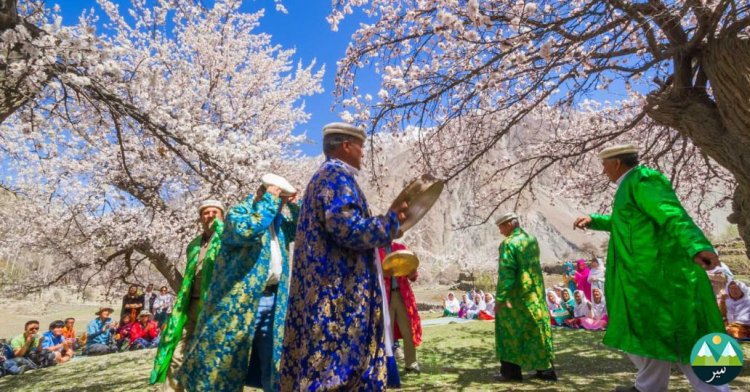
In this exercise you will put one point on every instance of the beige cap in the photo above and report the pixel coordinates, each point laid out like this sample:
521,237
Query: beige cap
506,217
144,313
344,129
279,181
211,203
615,151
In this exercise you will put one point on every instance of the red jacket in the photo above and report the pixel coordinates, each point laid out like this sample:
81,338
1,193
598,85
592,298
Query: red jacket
409,300
150,332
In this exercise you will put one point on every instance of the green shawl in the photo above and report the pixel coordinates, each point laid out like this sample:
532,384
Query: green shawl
173,331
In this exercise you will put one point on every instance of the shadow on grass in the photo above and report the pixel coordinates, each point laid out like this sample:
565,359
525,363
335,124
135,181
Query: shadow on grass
462,358
453,357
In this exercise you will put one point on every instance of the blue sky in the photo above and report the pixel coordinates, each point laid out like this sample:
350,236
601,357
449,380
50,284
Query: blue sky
303,28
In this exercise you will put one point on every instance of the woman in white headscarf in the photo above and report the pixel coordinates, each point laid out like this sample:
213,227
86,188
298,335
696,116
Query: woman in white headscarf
596,275
489,308
597,318
451,306
557,312
738,310
479,305
581,309
467,306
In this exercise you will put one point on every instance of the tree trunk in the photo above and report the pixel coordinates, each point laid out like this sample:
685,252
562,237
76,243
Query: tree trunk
720,128
163,265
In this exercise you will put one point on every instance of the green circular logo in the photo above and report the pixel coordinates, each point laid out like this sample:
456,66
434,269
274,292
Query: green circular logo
716,358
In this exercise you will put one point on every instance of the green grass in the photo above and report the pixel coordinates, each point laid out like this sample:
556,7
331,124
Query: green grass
454,357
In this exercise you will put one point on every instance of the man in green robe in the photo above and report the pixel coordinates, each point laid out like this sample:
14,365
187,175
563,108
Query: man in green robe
201,253
659,298
523,337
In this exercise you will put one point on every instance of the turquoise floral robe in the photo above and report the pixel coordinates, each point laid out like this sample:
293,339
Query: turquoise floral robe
658,300
218,353
334,333
172,332
523,335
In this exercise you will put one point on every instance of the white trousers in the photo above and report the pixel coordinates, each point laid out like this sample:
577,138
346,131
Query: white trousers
653,376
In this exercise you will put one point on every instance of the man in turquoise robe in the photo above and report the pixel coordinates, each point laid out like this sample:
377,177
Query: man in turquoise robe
659,298
334,332
245,286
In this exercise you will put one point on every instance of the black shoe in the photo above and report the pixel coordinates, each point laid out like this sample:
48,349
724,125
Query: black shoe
413,369
503,378
546,375
627,389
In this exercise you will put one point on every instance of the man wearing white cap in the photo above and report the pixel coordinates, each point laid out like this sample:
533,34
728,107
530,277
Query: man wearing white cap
333,338
523,337
201,253
659,298
238,336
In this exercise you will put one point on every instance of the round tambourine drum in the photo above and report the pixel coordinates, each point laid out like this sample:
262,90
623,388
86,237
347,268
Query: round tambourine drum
400,263
420,195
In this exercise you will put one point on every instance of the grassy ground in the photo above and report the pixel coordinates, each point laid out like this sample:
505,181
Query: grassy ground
454,357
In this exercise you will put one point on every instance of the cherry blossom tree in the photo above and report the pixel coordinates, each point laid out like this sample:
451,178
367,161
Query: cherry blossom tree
671,75
119,126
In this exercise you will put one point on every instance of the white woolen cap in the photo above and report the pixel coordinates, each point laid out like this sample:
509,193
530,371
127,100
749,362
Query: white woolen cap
211,203
344,129
506,217
279,181
615,151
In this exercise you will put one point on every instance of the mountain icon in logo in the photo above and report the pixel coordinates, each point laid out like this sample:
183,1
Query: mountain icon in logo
716,359
729,357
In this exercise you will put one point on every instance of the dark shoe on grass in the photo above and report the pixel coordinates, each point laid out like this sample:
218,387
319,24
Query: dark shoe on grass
503,378
546,375
631,388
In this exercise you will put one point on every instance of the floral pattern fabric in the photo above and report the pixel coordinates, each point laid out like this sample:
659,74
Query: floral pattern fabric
523,335
334,328
218,354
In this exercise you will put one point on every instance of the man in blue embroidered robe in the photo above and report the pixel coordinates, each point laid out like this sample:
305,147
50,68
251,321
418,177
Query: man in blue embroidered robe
334,332
240,330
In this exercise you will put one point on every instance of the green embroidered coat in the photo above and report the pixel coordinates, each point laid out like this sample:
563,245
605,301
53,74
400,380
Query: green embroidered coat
659,301
523,335
173,331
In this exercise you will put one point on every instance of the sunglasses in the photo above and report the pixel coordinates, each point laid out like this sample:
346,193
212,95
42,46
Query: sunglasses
34,329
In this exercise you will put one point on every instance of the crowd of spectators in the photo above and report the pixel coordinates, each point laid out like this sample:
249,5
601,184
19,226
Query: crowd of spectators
60,343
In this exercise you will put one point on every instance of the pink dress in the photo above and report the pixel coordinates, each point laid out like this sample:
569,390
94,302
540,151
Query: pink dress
582,279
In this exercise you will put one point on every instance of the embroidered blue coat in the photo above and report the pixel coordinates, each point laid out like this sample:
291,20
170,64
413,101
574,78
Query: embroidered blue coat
334,333
217,356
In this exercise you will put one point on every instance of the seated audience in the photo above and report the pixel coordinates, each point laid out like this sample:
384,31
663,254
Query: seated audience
557,311
69,333
467,305
8,365
122,333
581,309
451,306
479,305
27,348
489,308
597,318
738,310
100,334
144,333
54,341
567,302
163,306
